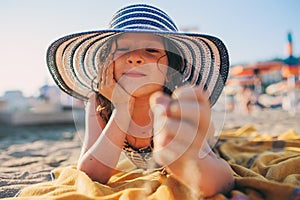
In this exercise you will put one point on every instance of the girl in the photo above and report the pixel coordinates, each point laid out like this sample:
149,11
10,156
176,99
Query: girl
148,90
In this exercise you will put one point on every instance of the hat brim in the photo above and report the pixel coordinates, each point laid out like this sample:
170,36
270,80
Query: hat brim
72,61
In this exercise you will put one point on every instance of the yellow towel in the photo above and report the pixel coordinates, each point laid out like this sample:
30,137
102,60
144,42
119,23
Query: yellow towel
264,168
71,184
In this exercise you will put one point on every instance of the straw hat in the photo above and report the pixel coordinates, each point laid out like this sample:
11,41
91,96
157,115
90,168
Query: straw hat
72,60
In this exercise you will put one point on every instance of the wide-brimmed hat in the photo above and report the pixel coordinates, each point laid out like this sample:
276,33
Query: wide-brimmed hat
73,60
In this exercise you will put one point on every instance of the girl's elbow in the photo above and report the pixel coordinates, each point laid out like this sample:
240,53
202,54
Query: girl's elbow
222,187
226,183
92,173
223,183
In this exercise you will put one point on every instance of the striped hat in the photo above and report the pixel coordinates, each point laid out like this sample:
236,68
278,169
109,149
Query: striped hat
72,60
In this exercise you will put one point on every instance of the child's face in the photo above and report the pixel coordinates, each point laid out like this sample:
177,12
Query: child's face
140,63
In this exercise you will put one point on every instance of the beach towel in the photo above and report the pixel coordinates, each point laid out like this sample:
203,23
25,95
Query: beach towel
70,183
264,168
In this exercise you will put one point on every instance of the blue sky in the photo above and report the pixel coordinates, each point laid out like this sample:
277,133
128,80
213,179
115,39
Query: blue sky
252,30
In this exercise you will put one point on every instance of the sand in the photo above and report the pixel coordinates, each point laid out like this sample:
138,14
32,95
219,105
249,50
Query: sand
29,158
267,121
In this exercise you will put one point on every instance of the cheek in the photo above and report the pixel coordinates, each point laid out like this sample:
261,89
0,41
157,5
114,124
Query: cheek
162,71
164,65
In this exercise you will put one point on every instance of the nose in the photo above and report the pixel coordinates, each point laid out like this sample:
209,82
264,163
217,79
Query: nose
135,58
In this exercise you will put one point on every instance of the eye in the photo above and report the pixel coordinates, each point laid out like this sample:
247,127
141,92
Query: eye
152,50
122,49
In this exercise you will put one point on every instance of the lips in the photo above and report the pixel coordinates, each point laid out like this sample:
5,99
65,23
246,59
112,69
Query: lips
134,74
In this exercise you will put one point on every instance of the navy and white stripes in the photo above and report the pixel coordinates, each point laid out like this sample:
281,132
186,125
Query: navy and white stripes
142,17
73,60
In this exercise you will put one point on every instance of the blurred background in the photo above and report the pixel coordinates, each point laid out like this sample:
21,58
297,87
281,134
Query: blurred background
39,123
263,39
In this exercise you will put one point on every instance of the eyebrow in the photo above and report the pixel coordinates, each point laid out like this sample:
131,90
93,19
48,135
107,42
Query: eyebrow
147,44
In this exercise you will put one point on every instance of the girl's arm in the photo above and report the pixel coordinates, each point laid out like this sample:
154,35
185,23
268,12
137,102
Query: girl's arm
181,141
207,175
102,143
94,124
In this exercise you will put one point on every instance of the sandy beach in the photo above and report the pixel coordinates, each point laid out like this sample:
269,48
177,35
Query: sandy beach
28,154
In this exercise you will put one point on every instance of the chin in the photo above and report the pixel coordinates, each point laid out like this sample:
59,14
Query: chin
146,91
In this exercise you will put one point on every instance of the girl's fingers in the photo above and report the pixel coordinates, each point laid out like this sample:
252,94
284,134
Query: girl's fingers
100,78
181,122
189,105
104,77
185,98
107,82
174,130
195,93
110,75
159,102
190,111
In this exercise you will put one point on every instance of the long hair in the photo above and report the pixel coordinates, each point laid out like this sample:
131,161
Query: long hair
173,76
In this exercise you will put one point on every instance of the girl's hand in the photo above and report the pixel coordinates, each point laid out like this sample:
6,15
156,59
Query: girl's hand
122,100
181,123
109,87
